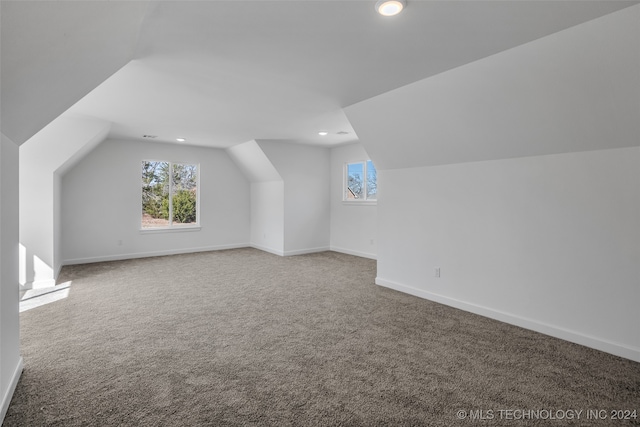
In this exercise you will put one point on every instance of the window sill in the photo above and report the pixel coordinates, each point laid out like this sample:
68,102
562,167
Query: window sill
170,229
360,202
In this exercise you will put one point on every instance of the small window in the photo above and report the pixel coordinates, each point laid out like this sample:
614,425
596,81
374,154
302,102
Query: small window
169,194
361,182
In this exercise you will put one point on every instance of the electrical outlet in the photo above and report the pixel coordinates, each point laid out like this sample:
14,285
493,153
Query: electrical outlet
436,272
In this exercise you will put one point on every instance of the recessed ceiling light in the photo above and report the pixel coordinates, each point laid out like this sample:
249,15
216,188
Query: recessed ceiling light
323,133
390,7
180,139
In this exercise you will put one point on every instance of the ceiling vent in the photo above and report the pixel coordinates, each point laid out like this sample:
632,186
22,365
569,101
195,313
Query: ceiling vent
150,136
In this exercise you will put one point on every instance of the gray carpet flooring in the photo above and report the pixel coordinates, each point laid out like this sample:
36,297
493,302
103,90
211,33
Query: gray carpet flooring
245,338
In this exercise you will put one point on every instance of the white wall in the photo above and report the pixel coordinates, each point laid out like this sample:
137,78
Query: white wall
101,203
305,171
267,216
57,224
353,226
267,196
550,243
10,360
48,153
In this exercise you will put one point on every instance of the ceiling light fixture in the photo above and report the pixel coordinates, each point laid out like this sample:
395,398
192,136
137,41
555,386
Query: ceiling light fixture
323,133
180,139
390,7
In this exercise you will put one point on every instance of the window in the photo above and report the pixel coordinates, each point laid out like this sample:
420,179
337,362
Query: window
169,194
361,182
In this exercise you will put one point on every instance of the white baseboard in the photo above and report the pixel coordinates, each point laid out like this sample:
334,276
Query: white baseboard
628,352
6,398
289,253
56,271
267,249
40,284
306,251
120,257
355,253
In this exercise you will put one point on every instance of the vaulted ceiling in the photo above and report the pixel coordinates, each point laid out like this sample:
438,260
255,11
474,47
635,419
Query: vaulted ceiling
220,73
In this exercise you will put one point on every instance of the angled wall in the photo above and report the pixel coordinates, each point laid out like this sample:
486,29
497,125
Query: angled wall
305,173
42,159
267,197
518,176
289,195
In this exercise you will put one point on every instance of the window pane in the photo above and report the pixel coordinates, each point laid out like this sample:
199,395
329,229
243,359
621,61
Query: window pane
372,181
355,181
184,184
155,194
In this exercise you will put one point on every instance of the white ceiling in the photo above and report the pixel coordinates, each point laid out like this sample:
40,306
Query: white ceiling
575,90
220,73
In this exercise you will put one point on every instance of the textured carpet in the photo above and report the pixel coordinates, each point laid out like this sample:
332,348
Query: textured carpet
242,337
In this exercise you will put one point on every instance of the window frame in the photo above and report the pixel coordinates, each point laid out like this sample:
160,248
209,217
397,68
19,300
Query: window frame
172,228
345,184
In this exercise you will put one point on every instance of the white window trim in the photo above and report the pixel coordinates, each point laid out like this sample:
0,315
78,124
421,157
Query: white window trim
345,175
360,202
171,229
175,228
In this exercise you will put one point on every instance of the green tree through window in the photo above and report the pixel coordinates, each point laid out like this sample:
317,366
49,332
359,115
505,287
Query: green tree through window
169,202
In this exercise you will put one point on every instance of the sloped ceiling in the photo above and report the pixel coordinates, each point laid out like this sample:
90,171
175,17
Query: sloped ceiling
252,161
220,73
575,90
55,52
